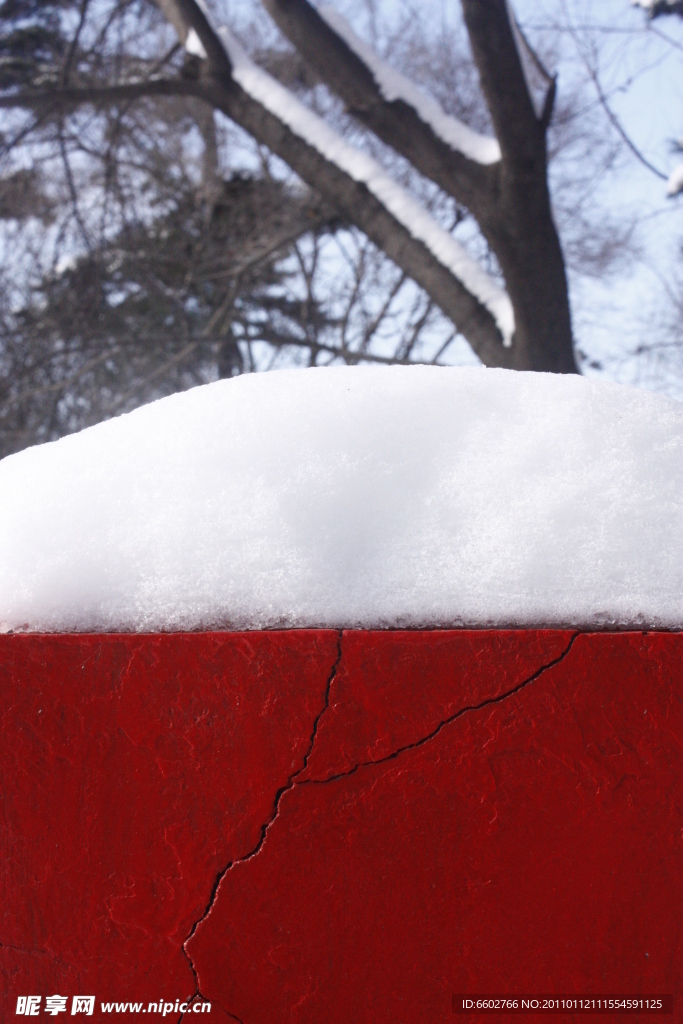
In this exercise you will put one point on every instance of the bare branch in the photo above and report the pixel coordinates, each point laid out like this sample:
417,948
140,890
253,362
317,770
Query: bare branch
66,69
350,356
449,341
376,321
619,128
61,385
98,96
72,190
406,349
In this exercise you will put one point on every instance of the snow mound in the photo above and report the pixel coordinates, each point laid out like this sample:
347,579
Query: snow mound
363,497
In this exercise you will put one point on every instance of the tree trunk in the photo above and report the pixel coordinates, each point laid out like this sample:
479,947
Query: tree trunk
517,220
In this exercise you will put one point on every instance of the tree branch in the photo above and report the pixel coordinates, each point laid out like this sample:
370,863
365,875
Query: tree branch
66,69
617,125
188,16
518,128
99,96
352,356
442,148
655,8
353,183
356,185
509,198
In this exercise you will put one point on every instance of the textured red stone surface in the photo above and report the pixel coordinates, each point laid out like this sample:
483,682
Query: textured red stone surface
347,828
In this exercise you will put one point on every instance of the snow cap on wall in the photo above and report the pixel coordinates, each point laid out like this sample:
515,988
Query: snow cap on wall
363,497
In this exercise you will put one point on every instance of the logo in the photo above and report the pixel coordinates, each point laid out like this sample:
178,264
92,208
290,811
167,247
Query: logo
83,1004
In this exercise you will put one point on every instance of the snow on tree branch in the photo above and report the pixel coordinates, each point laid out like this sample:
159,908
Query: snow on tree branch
674,184
656,7
365,170
192,21
393,85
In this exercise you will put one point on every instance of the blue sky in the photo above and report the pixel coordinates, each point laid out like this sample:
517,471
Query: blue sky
640,70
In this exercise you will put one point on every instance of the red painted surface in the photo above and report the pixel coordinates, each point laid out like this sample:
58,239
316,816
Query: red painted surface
133,770
394,817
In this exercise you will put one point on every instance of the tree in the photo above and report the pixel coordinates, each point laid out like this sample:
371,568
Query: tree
152,244
502,183
108,328
131,306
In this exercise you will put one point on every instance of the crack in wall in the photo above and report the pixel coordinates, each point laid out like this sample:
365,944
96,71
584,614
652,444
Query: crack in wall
39,952
291,782
447,721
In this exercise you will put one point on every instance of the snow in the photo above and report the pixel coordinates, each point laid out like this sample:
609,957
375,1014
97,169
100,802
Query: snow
194,45
354,497
363,168
649,5
266,91
675,183
394,86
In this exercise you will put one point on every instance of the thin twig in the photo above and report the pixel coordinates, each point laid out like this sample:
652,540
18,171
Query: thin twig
66,69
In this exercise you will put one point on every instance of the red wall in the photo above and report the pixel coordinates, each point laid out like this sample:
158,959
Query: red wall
319,827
